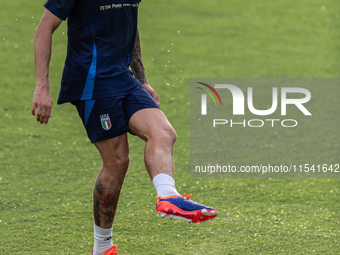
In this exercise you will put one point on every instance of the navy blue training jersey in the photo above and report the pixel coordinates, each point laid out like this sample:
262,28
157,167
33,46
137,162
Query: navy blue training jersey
101,34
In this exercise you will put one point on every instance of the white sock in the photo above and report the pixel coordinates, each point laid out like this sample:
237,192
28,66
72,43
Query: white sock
164,185
102,240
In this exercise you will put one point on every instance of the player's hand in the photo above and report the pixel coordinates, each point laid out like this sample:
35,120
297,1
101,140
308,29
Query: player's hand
42,102
152,93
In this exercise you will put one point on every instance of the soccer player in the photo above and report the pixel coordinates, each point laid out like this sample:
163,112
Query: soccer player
103,42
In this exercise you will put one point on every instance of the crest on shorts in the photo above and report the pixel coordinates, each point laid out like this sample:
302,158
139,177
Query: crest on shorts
106,121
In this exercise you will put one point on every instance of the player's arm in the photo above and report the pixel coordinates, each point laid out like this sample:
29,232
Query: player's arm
42,101
138,70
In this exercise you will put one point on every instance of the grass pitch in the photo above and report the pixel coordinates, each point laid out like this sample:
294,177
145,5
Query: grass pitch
47,172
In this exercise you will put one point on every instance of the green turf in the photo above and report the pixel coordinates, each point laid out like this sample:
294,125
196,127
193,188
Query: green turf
47,172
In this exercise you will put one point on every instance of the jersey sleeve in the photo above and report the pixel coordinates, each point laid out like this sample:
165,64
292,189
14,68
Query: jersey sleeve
60,8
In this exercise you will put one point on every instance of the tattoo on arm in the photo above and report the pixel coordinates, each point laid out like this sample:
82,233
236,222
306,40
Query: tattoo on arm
137,62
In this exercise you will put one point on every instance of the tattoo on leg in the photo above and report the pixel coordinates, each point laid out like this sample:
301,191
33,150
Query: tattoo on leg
96,209
104,206
98,192
99,187
109,207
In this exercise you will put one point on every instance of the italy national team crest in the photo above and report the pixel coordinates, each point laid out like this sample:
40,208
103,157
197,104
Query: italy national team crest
106,121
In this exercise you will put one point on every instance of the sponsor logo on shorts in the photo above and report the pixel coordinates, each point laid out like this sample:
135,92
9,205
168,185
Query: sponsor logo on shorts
106,121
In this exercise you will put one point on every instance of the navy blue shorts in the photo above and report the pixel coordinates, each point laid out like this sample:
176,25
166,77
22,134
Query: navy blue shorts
109,117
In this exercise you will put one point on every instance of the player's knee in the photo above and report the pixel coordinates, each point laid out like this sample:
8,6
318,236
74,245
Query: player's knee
118,161
169,134
123,161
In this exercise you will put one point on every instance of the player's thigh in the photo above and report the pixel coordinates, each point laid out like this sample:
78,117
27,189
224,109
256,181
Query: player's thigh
114,151
151,123
144,116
